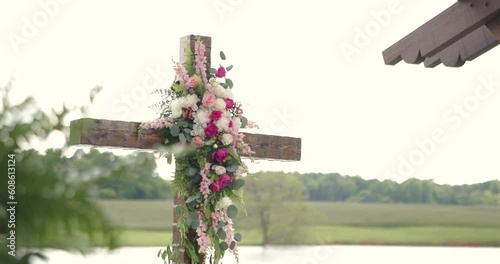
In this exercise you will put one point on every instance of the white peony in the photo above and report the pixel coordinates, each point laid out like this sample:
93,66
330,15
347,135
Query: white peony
190,101
223,203
220,104
176,108
236,124
202,117
227,139
222,123
198,130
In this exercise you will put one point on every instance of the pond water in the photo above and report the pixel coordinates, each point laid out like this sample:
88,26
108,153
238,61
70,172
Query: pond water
301,255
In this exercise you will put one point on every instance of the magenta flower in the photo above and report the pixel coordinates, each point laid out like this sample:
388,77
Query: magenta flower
221,72
216,115
211,130
220,154
229,103
216,186
225,180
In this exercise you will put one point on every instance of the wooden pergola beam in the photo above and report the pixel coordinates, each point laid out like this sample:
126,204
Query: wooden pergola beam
461,32
121,134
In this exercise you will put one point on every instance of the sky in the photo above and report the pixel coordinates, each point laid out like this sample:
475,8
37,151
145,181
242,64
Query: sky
310,69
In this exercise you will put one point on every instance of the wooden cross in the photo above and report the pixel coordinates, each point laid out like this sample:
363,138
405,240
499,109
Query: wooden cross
121,134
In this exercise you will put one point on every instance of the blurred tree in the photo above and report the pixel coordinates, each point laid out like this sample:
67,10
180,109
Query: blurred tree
271,199
122,177
53,206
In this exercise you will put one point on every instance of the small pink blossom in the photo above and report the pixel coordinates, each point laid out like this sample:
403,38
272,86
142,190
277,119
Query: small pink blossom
251,124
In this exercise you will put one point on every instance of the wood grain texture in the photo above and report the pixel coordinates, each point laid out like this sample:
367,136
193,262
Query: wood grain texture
452,37
121,134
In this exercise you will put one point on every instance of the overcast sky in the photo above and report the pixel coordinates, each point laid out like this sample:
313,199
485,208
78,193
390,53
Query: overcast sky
310,69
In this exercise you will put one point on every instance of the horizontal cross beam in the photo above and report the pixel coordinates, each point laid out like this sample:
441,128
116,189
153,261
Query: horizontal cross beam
121,134
460,33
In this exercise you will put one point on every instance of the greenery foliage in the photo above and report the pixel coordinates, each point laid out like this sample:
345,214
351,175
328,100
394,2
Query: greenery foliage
53,206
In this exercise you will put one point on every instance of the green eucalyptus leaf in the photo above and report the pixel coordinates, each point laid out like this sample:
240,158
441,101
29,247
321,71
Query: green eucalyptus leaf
237,184
230,67
182,138
232,168
232,211
222,55
221,224
221,234
223,246
190,172
229,83
244,122
233,244
191,199
212,70
175,130
238,237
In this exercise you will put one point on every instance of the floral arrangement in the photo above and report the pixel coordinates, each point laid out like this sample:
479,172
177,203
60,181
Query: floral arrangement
199,116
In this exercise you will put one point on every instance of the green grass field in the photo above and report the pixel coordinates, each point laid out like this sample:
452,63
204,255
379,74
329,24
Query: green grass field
148,223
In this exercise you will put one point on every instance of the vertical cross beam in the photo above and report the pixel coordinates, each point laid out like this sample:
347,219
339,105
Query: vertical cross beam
187,42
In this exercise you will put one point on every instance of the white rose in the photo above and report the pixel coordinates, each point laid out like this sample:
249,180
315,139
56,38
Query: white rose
221,92
227,139
198,130
176,108
220,104
219,170
223,203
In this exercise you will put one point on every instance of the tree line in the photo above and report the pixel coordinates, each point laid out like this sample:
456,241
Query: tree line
339,188
137,179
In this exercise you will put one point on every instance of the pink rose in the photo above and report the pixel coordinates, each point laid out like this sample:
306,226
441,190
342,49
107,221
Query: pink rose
216,115
220,154
221,72
229,103
225,180
216,186
208,100
211,130
197,142
230,125
192,82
